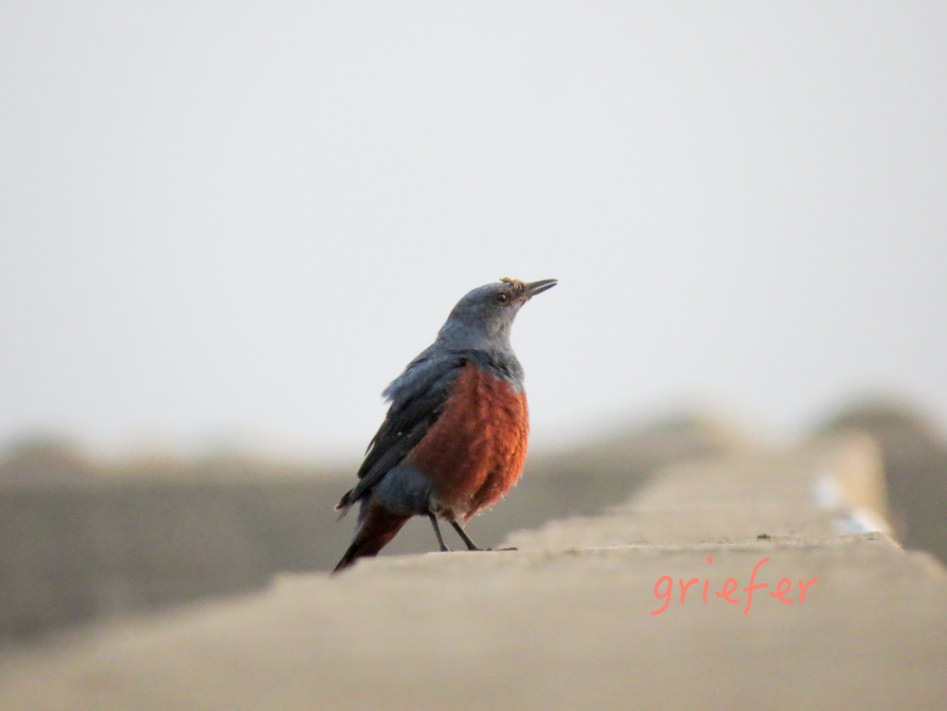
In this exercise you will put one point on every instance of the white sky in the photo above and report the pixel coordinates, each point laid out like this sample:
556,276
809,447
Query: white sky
238,221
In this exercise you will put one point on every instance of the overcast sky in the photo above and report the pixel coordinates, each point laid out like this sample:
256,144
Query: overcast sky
236,222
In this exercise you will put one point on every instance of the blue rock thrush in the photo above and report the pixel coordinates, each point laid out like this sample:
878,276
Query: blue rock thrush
454,439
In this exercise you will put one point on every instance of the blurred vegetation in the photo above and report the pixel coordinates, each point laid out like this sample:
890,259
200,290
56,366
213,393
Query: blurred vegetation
52,459
44,459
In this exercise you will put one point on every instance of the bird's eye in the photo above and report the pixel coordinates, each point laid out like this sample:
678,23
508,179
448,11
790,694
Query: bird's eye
503,297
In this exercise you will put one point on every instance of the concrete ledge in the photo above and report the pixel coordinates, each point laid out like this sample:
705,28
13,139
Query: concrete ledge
811,493
577,619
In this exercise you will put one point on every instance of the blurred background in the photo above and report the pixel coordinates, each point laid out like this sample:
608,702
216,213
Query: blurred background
225,228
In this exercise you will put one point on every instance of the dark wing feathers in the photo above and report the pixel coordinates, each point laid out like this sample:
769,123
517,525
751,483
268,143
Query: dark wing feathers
417,399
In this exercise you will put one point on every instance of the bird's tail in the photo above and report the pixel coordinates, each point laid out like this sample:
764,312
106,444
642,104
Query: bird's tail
374,531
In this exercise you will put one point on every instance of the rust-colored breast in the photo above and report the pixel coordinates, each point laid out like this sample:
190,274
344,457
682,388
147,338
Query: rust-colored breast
474,452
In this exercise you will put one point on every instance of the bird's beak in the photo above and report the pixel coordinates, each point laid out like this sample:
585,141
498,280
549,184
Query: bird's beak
538,287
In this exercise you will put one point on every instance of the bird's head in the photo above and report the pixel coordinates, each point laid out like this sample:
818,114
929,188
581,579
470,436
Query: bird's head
484,316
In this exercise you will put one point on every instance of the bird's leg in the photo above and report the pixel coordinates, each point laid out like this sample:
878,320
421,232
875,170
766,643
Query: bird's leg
437,532
471,546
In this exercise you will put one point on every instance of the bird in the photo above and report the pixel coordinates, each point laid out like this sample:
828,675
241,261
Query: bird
453,440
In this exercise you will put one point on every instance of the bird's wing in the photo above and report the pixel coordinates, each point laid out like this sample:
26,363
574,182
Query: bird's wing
417,399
